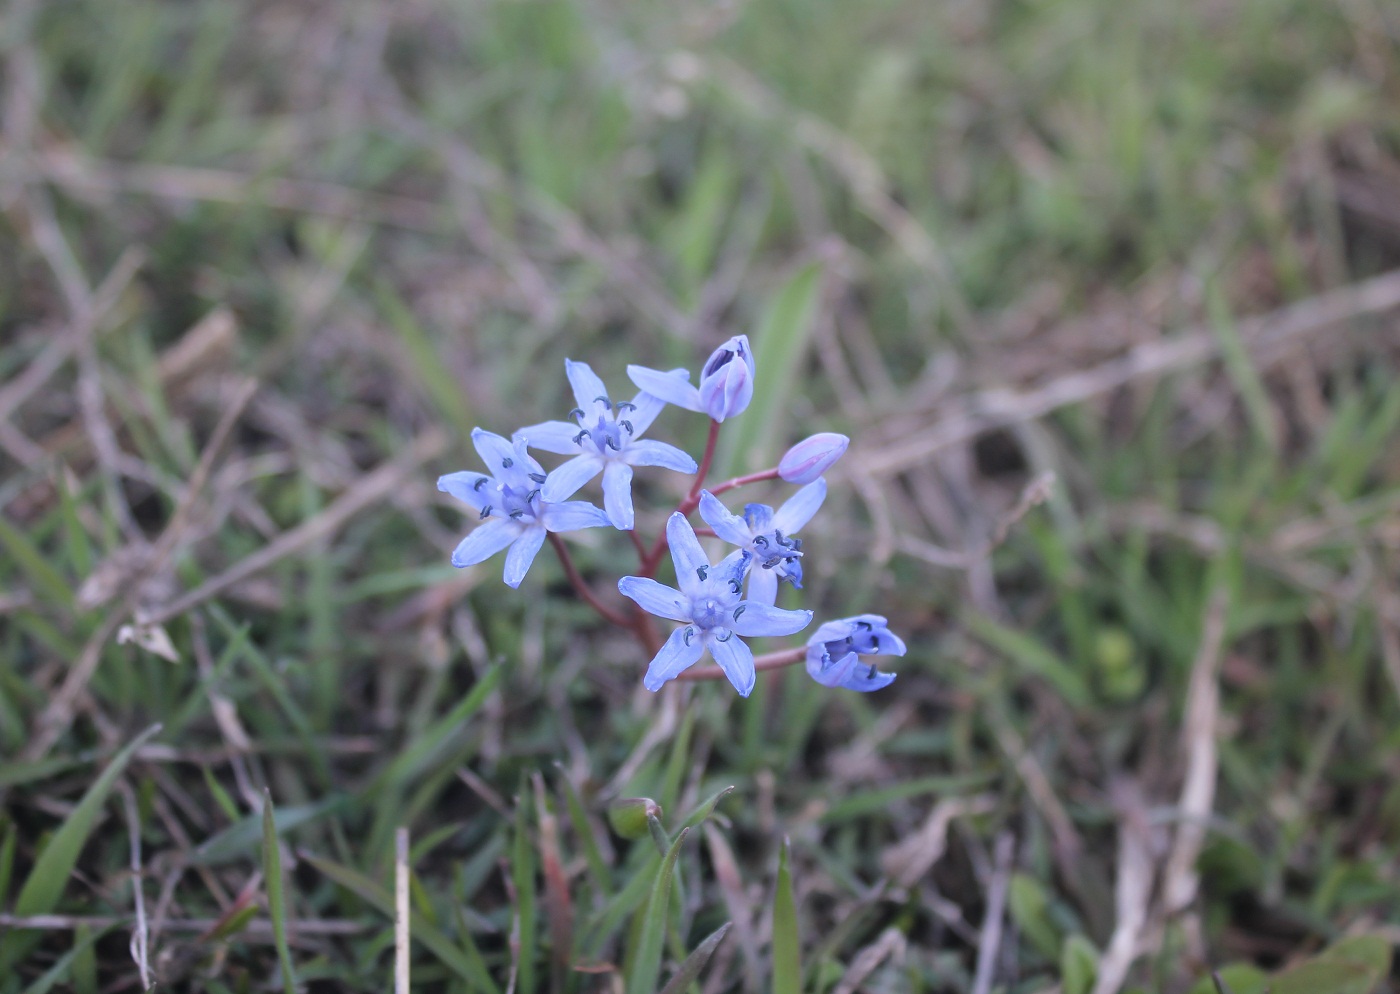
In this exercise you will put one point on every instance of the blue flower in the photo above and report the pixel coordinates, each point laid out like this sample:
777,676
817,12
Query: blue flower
833,653
511,498
726,383
768,535
605,438
712,613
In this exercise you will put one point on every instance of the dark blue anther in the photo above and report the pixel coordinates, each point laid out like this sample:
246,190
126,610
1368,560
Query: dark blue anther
725,637
865,626
577,414
772,561
689,635
578,439
479,484
516,515
740,610
625,405
626,424
604,401
537,477
485,512
532,495
760,542
507,463
702,571
612,444
735,586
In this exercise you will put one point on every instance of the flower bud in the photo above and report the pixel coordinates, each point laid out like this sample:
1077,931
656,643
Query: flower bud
812,457
629,817
726,383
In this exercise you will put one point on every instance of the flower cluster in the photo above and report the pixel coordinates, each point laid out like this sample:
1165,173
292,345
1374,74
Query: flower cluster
716,605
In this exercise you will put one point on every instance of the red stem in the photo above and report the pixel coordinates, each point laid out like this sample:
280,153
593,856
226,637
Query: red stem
768,661
583,589
692,500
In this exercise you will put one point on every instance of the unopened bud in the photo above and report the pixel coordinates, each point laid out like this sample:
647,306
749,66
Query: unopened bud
726,382
629,817
812,457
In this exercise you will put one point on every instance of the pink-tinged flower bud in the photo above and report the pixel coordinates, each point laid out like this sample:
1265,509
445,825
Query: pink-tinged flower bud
726,382
812,457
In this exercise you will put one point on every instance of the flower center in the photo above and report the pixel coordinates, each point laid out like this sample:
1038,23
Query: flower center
607,432
708,613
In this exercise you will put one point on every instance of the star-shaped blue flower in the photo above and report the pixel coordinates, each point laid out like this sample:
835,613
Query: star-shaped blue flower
605,438
510,496
768,535
834,651
711,610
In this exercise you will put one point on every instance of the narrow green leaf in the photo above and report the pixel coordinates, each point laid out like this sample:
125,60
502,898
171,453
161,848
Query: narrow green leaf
1255,397
276,899
243,835
43,888
583,829
779,344
695,962
706,808
48,584
468,968
1079,964
522,868
84,961
1031,655
59,971
425,747
446,393
787,958
7,860
646,967
658,834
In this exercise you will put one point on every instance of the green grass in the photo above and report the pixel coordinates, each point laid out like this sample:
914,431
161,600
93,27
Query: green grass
404,218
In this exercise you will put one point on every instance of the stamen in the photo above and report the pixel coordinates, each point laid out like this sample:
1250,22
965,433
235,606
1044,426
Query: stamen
577,415
735,586
689,635
517,514
607,404
778,537
612,444
479,484
625,405
702,571
507,463
578,439
772,561
485,512
740,610
537,477
865,626
628,425
727,636
760,541
532,495
871,674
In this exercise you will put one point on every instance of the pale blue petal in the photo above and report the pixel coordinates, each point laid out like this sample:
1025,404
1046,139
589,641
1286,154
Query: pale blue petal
617,494
756,619
727,577
655,598
848,672
522,554
735,659
685,553
646,406
494,450
649,452
798,509
485,542
587,386
763,585
727,525
565,480
465,487
551,436
572,515
671,389
674,657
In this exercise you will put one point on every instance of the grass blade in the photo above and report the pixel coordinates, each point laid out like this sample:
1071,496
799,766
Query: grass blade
646,968
695,962
787,961
59,971
276,899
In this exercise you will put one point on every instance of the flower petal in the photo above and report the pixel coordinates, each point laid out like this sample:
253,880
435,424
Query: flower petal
466,488
565,479
496,452
551,436
798,509
587,386
571,515
617,494
655,598
484,542
646,406
763,586
522,554
735,658
649,452
754,619
848,672
675,656
672,389
685,553
727,525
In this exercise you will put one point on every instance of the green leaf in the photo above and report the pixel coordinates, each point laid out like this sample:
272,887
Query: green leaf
695,962
425,748
1352,966
444,391
779,345
646,967
468,968
787,956
240,837
1031,655
276,900
1079,963
59,971
1030,910
48,584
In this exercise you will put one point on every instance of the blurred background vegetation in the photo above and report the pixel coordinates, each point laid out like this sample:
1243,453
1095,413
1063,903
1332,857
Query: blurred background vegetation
264,266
